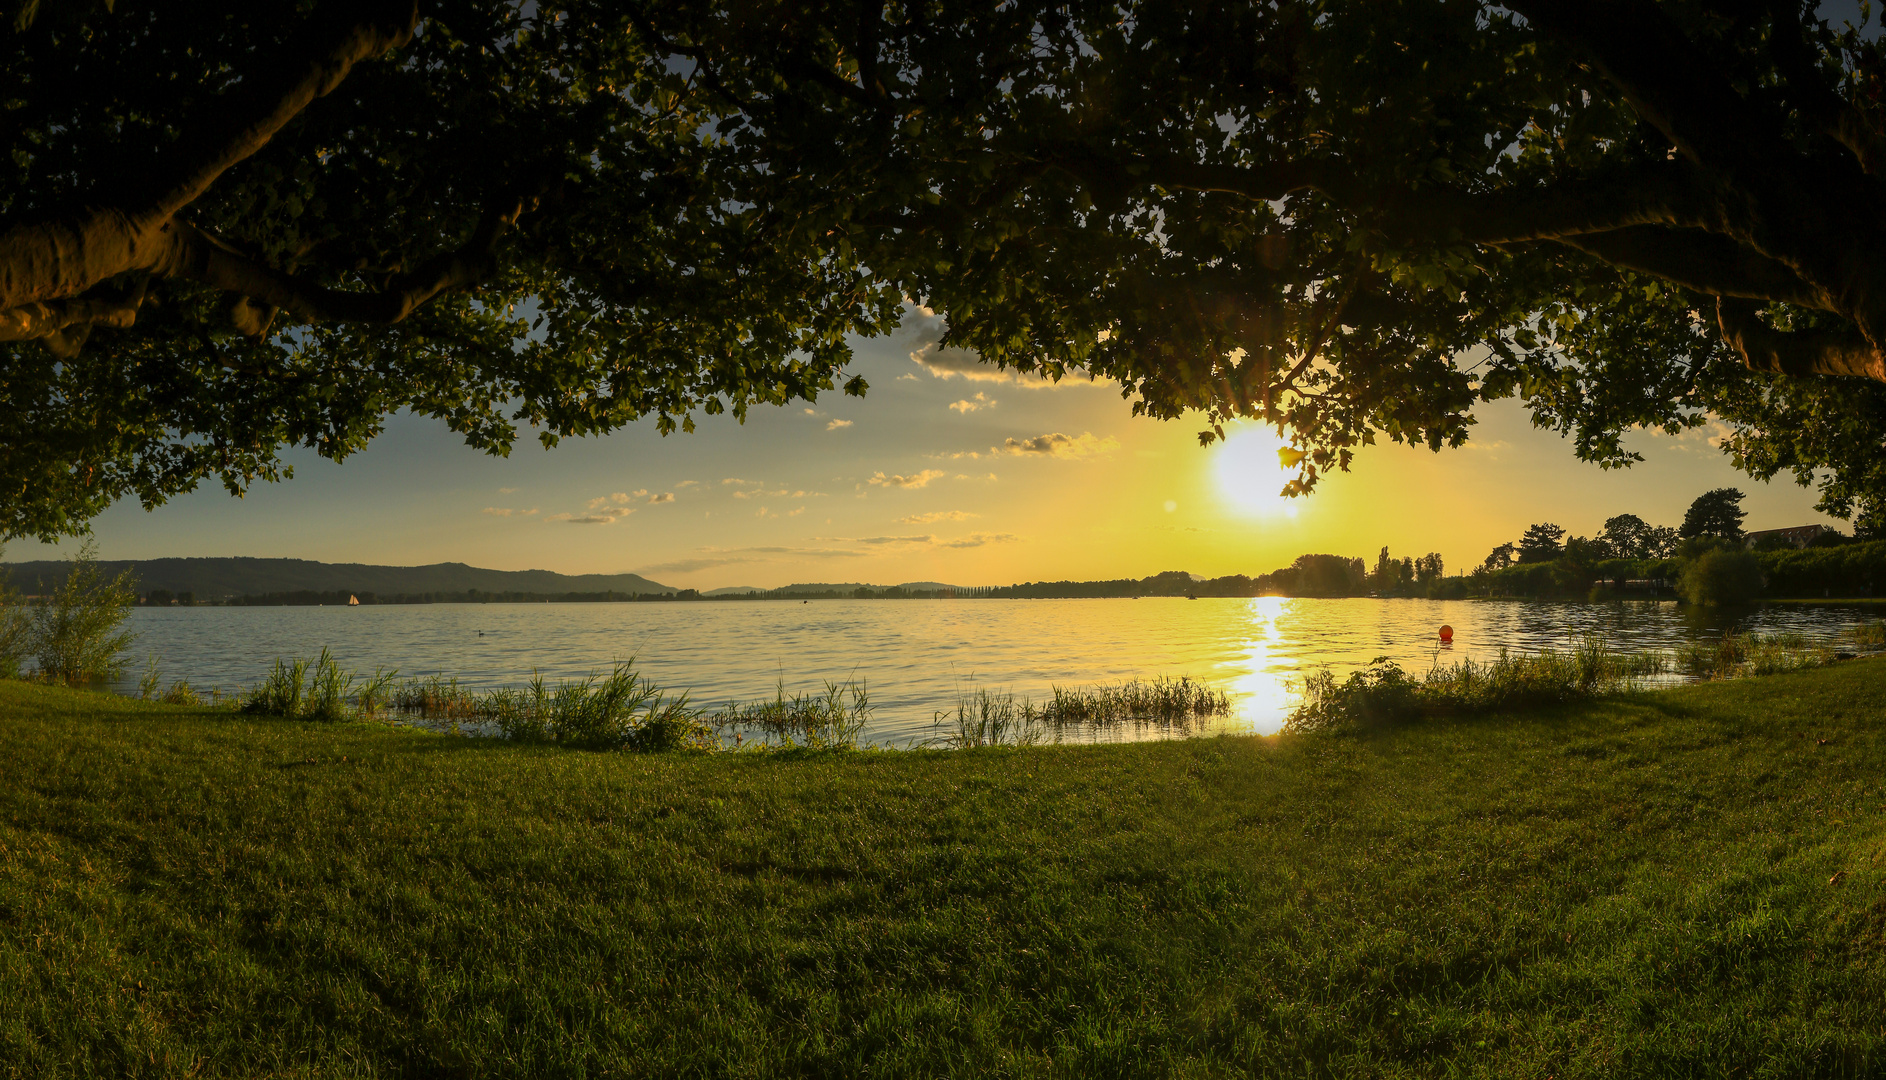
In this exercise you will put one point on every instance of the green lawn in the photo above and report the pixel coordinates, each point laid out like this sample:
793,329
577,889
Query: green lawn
1629,889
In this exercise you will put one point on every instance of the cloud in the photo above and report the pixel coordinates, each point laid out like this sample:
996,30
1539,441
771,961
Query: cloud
688,484
969,405
713,557
949,363
507,491
737,480
779,493
915,480
605,509
837,424
936,515
1058,445
925,540
505,511
664,497
811,412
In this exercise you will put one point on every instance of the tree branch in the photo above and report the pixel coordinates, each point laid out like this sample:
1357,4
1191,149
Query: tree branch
199,256
50,260
1796,354
1706,263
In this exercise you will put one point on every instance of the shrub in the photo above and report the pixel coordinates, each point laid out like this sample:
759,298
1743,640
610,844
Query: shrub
16,632
75,634
1721,577
303,690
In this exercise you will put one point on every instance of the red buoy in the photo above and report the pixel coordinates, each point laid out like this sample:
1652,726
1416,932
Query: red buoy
1447,632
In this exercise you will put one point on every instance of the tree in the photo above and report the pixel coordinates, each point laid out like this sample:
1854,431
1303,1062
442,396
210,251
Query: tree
235,227
1356,220
1429,568
1540,544
227,228
1628,536
1500,558
1714,513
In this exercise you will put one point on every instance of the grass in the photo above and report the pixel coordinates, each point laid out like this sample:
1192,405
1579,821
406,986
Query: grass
1682,883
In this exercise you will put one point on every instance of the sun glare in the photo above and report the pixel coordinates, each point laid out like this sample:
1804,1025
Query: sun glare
1249,474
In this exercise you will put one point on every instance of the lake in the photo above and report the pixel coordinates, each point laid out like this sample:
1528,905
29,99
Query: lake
918,655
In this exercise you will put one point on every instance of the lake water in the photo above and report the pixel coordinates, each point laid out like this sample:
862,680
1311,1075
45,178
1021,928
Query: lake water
918,655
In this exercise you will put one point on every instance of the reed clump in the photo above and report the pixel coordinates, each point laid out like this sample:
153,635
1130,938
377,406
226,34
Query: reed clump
1168,707
832,720
1383,694
304,690
1753,654
620,711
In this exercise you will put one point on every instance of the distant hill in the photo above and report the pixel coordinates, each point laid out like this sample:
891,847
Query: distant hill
217,578
735,590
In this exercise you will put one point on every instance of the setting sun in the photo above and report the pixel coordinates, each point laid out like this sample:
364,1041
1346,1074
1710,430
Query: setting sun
1250,474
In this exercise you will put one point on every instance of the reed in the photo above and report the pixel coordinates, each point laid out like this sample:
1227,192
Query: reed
622,711
303,690
1384,694
833,720
985,718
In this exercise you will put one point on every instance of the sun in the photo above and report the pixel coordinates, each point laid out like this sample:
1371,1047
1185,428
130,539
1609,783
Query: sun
1251,476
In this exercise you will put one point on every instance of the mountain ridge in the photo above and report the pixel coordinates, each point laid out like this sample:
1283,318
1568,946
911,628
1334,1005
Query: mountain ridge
218,577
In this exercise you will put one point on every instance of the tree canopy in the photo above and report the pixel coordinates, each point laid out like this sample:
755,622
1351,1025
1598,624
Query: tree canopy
1715,513
231,227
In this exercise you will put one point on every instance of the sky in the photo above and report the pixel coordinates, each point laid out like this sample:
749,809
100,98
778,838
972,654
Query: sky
946,471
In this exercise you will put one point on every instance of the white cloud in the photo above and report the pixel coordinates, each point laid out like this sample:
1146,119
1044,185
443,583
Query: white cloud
936,515
915,480
664,497
969,405
1058,445
507,491
505,511
837,424
688,484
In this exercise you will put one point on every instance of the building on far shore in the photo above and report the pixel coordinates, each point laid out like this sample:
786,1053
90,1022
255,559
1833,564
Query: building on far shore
1799,536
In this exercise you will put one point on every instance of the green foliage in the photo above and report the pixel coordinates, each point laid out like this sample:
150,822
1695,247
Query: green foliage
1541,543
1855,569
1715,513
16,629
1724,577
75,631
1256,211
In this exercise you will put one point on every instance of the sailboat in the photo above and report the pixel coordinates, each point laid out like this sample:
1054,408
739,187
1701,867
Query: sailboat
352,600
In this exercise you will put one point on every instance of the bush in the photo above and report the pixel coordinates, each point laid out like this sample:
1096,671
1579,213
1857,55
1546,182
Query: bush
1721,577
75,634
16,631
